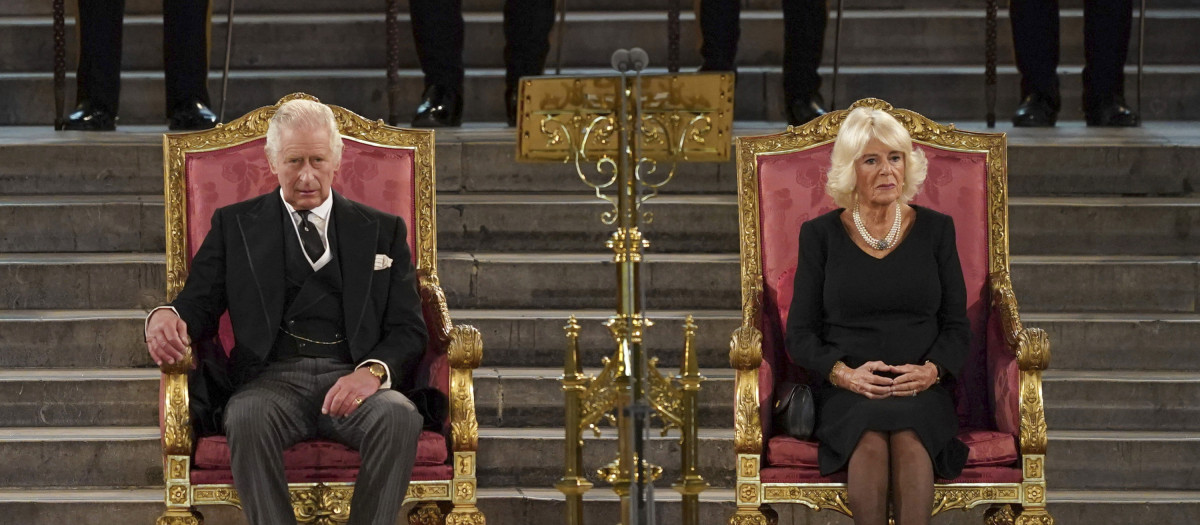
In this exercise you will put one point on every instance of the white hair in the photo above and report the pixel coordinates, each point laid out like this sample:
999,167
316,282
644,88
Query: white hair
301,113
861,126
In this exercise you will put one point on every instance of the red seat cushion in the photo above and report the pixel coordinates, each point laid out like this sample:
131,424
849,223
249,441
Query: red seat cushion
325,475
212,453
988,448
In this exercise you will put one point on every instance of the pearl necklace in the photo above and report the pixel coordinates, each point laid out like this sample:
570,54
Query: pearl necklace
878,244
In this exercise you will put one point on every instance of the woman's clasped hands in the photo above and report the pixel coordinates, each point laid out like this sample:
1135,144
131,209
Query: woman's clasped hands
873,382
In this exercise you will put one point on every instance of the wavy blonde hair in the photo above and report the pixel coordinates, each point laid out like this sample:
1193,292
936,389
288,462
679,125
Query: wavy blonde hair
301,113
861,126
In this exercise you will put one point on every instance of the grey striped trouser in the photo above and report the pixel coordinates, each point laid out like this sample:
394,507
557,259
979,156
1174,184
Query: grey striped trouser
282,407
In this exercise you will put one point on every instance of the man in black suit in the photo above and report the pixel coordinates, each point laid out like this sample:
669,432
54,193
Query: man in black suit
803,41
1106,30
321,292
185,58
438,30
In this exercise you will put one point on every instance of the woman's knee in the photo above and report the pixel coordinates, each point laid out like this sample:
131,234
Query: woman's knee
872,445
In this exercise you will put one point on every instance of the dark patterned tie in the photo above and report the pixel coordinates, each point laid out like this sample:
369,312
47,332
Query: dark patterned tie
309,237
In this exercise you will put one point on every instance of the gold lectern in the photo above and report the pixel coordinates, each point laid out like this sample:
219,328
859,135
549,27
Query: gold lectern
618,131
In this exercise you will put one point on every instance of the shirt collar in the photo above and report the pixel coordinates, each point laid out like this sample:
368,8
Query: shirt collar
321,211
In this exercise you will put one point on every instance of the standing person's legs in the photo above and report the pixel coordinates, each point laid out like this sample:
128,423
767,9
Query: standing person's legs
98,79
804,24
1035,44
867,479
186,27
720,28
384,429
1107,25
438,32
527,25
263,418
912,478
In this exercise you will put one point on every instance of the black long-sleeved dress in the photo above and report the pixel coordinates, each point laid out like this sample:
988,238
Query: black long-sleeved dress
905,308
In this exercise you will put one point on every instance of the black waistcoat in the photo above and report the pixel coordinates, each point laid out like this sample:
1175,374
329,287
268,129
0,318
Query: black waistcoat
312,303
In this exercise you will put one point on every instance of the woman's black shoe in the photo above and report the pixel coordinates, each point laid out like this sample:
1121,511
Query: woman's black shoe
1036,111
440,107
87,117
191,117
1112,112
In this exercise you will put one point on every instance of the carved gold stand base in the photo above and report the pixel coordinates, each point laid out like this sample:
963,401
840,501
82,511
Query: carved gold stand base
180,517
998,515
428,513
1034,516
465,516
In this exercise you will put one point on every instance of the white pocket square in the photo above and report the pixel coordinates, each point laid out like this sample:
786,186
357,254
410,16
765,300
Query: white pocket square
382,261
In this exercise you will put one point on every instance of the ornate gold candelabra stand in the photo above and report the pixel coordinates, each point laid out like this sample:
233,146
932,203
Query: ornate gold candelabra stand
617,131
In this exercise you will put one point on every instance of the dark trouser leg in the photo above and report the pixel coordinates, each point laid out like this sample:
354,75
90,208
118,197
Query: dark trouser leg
270,413
99,75
867,479
803,42
438,31
1035,42
720,28
912,478
527,25
1106,30
384,429
186,25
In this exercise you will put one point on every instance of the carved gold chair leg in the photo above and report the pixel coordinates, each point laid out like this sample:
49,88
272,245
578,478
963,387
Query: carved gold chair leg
763,515
465,515
999,515
428,513
188,516
1034,516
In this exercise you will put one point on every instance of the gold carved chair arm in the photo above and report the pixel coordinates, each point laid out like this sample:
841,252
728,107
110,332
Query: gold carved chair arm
1032,349
745,356
177,435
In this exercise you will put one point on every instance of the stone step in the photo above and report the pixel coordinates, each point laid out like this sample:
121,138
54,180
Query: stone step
1145,284
510,505
1086,400
220,7
357,40
1168,91
570,223
1126,342
77,339
81,457
78,398
1155,159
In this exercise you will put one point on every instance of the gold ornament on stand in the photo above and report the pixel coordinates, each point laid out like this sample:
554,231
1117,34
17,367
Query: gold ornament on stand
626,136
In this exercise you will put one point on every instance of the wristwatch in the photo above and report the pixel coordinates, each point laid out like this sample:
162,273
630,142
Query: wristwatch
379,371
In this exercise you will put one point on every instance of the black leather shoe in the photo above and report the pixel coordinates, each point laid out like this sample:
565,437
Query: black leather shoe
191,117
1036,111
801,110
1112,112
440,107
87,117
510,105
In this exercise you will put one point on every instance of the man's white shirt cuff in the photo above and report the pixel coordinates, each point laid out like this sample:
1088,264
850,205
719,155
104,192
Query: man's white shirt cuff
151,314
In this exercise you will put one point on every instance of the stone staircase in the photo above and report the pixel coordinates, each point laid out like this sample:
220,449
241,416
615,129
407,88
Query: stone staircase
1105,228
1104,259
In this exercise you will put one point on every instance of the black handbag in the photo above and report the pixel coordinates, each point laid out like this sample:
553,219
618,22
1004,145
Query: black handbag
794,413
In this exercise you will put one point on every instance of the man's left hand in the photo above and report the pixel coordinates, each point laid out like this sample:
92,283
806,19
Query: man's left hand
350,391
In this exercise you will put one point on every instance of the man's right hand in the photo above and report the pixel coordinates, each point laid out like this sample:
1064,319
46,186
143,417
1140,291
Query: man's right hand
166,337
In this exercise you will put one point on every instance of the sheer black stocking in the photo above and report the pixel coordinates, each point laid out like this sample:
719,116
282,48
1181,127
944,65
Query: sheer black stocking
867,479
912,479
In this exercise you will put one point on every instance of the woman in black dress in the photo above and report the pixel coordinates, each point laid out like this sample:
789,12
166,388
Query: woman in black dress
879,312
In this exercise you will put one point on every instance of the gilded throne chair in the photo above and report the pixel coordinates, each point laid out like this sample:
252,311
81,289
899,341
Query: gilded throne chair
781,184
390,169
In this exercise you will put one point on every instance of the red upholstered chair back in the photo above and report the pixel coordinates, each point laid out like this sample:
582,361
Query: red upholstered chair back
382,171
789,185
